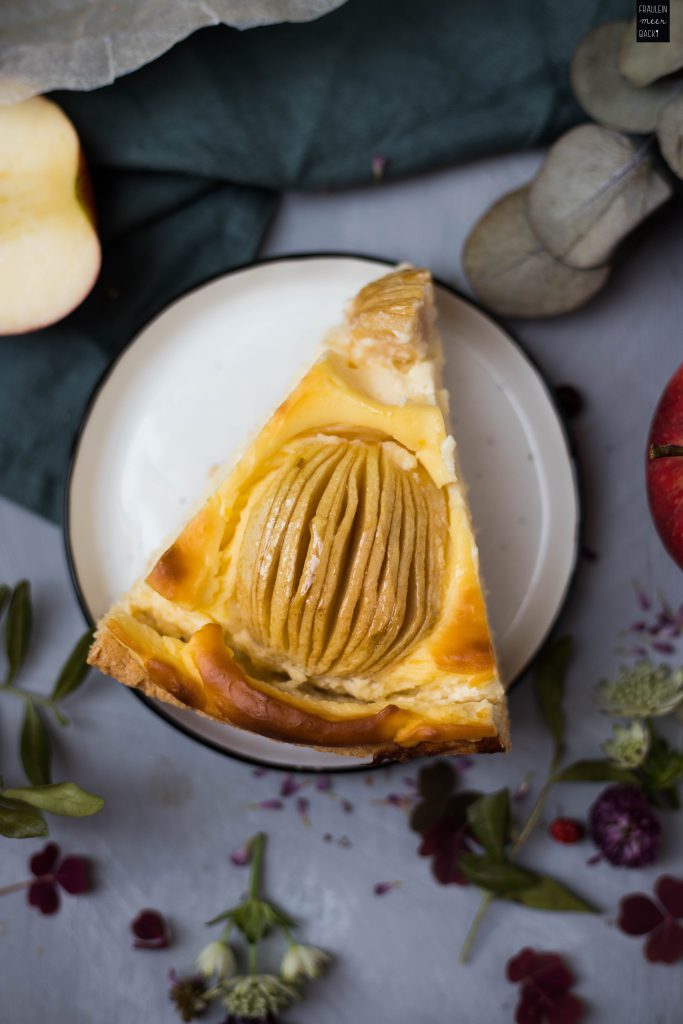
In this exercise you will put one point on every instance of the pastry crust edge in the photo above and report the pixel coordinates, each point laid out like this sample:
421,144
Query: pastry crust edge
114,659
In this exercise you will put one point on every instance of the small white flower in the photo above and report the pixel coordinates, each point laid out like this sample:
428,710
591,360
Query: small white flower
642,691
303,962
628,745
216,959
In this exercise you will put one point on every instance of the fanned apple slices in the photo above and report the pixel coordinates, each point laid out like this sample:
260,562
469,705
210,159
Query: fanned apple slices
328,591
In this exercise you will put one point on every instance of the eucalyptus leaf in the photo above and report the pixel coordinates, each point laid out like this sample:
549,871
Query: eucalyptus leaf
514,274
34,746
5,592
604,93
75,668
642,63
64,798
17,821
593,188
599,770
499,877
549,681
18,628
489,819
547,894
670,135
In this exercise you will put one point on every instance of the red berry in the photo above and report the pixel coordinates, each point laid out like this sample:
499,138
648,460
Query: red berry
566,830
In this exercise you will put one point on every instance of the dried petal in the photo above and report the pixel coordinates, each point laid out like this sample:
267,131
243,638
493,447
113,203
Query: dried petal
669,892
289,786
552,974
72,875
638,914
522,965
568,1009
45,896
43,862
241,856
665,944
150,930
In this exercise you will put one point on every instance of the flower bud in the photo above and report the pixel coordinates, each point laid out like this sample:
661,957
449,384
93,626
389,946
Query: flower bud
216,959
303,962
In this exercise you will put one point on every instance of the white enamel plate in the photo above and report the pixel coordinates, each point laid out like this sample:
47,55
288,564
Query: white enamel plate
200,379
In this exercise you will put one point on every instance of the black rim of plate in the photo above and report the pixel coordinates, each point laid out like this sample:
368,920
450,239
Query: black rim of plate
156,707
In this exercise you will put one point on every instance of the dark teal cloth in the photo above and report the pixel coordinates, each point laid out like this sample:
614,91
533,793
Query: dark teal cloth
189,153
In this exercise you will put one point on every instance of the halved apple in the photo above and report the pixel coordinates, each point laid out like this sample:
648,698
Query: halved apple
49,250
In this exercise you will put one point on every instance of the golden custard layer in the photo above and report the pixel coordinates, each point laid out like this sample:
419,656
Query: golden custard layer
328,591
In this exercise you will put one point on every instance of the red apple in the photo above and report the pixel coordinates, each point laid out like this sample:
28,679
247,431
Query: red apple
49,251
665,467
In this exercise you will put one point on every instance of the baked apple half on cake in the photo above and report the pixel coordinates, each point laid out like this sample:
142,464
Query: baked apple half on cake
328,591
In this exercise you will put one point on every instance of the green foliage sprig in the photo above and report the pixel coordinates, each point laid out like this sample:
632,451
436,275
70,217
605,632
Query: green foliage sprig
22,807
547,248
248,995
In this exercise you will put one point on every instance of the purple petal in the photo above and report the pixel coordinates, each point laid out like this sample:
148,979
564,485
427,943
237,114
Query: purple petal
323,783
268,805
379,164
289,786
641,597
665,944
303,807
638,914
42,862
258,773
669,891
241,856
72,875
663,647
150,930
347,806
44,896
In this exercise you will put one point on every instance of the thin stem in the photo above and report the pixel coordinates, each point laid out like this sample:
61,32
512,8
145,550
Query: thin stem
17,887
664,451
37,698
252,957
474,927
257,845
519,842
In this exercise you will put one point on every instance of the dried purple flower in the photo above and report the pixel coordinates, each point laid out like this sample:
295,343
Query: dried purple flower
267,805
51,873
289,786
187,995
303,806
382,888
323,783
624,827
347,806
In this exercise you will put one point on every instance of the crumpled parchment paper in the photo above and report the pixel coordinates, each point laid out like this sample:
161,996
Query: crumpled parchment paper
82,44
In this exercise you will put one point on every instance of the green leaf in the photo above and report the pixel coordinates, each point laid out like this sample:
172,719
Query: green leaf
17,821
489,819
254,918
5,592
514,274
604,93
663,766
18,628
64,798
75,668
436,784
35,747
593,188
598,770
547,894
499,877
549,680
